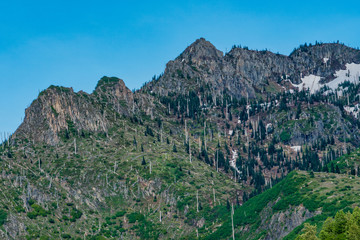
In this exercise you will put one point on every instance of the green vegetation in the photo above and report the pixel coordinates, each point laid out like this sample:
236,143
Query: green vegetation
298,188
106,80
285,136
342,226
37,211
308,233
3,217
120,165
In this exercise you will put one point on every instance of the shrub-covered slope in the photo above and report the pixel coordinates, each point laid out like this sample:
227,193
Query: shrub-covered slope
301,197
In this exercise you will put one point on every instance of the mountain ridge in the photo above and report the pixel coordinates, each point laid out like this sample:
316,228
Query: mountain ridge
240,70
172,159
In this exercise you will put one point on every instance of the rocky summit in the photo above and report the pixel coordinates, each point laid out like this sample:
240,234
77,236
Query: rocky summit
243,145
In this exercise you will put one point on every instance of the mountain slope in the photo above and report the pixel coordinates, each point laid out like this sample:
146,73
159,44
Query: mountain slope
243,72
169,160
299,198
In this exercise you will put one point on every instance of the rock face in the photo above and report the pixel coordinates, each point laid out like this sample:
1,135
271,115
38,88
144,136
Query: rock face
201,65
241,71
61,109
323,59
281,224
113,92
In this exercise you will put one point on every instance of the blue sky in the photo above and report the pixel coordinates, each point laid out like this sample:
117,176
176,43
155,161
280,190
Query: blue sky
75,43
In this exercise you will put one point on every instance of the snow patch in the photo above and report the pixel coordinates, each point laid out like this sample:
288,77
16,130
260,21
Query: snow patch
325,60
296,148
351,73
233,160
353,110
312,82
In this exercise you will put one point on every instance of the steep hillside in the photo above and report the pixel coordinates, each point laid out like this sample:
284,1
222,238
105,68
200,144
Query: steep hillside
170,160
134,178
280,212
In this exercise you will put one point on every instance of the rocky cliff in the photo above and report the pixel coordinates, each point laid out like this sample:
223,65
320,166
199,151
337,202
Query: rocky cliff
241,71
59,109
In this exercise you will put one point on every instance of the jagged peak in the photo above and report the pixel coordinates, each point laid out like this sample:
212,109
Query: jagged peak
202,42
201,48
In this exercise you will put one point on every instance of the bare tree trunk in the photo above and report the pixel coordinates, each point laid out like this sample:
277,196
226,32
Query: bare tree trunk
232,221
217,162
199,144
197,200
187,107
205,135
214,196
190,150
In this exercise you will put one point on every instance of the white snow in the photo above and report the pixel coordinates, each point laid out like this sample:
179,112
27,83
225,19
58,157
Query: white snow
296,148
351,73
353,110
233,160
312,82
325,60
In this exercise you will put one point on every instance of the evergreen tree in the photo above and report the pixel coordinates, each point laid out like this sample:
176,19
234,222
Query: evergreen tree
143,161
228,204
245,197
134,142
308,233
298,111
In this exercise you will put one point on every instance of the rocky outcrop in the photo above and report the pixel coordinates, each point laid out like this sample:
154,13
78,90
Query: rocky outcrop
58,109
282,223
323,59
201,67
241,71
112,92
61,109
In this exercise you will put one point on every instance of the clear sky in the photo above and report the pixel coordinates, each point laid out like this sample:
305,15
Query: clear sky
75,43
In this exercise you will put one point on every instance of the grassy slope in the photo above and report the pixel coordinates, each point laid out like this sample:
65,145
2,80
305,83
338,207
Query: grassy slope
106,177
325,192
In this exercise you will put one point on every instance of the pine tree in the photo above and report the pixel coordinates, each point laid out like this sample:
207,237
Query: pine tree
134,142
337,169
143,162
308,233
228,204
